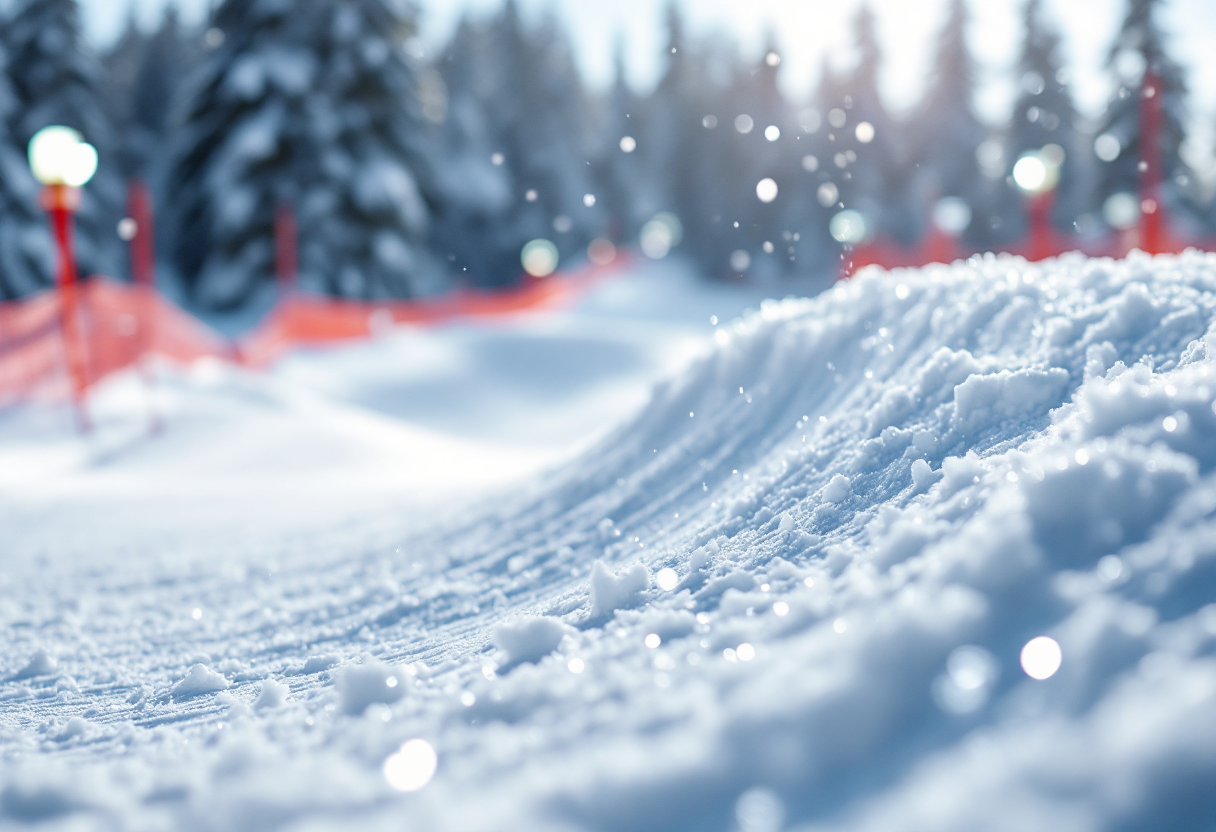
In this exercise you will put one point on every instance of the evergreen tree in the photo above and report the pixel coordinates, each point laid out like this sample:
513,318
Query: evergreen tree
617,167
947,132
689,154
1043,115
165,60
25,244
1139,53
310,104
532,121
56,82
871,160
473,196
364,224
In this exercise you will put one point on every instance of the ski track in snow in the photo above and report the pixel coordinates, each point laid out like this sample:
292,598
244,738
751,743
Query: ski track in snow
871,500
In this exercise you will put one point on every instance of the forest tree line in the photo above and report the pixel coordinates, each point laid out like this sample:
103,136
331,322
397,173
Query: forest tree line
407,174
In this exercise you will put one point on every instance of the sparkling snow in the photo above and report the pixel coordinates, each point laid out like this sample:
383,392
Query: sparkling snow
943,549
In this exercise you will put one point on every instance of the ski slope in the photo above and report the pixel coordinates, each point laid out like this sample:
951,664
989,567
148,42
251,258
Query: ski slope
790,590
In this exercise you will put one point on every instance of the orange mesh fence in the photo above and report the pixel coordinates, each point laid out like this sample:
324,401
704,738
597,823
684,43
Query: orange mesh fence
33,364
310,319
117,323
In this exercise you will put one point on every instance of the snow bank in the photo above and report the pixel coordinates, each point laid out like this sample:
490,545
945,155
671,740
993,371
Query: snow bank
872,501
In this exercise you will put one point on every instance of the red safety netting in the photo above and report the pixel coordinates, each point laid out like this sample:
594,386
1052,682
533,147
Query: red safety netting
111,325
311,319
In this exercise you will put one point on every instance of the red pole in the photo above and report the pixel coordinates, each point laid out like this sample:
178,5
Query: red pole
1151,209
60,201
143,249
286,247
143,274
1039,207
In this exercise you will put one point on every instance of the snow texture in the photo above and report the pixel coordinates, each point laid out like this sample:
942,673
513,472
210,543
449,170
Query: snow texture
1047,470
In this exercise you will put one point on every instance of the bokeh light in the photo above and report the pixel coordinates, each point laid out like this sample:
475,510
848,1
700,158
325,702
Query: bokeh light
1041,658
539,258
412,766
952,215
1030,173
766,190
601,252
1121,210
667,579
849,226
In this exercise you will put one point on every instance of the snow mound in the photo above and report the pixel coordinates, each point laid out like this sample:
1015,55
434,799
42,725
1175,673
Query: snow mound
529,639
945,542
199,680
370,683
41,663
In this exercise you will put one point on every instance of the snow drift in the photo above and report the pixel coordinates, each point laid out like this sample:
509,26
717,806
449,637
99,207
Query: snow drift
872,501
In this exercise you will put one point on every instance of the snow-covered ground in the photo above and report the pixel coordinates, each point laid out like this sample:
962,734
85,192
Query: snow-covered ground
803,584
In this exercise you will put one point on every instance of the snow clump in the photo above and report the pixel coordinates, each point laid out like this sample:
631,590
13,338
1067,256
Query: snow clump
199,680
373,682
611,592
529,638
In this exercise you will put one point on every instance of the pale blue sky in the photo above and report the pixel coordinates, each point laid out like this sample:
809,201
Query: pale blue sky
808,29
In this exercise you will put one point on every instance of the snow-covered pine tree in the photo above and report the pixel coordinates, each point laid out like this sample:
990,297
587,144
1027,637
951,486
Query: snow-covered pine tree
472,195
947,132
871,162
616,168
516,102
165,60
363,221
309,104
25,243
1043,115
1139,51
766,151
689,153
56,81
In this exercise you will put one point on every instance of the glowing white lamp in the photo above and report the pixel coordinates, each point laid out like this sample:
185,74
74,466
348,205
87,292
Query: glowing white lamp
60,156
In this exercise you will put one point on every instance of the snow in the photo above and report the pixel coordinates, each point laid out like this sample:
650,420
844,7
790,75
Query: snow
529,639
611,592
200,679
883,660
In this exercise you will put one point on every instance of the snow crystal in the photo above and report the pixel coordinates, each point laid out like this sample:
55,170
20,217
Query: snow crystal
200,679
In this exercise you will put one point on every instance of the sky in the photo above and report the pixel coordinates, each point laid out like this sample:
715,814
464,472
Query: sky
809,30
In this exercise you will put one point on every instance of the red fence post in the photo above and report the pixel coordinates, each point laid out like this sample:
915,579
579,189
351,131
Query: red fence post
286,247
60,201
143,276
1151,208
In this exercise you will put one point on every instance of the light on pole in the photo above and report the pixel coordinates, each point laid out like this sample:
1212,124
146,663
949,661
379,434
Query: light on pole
63,162
1036,175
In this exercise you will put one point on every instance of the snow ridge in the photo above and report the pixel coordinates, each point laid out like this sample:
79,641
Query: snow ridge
872,501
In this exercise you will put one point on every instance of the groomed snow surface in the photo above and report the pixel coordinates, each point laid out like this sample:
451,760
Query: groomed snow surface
807,586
